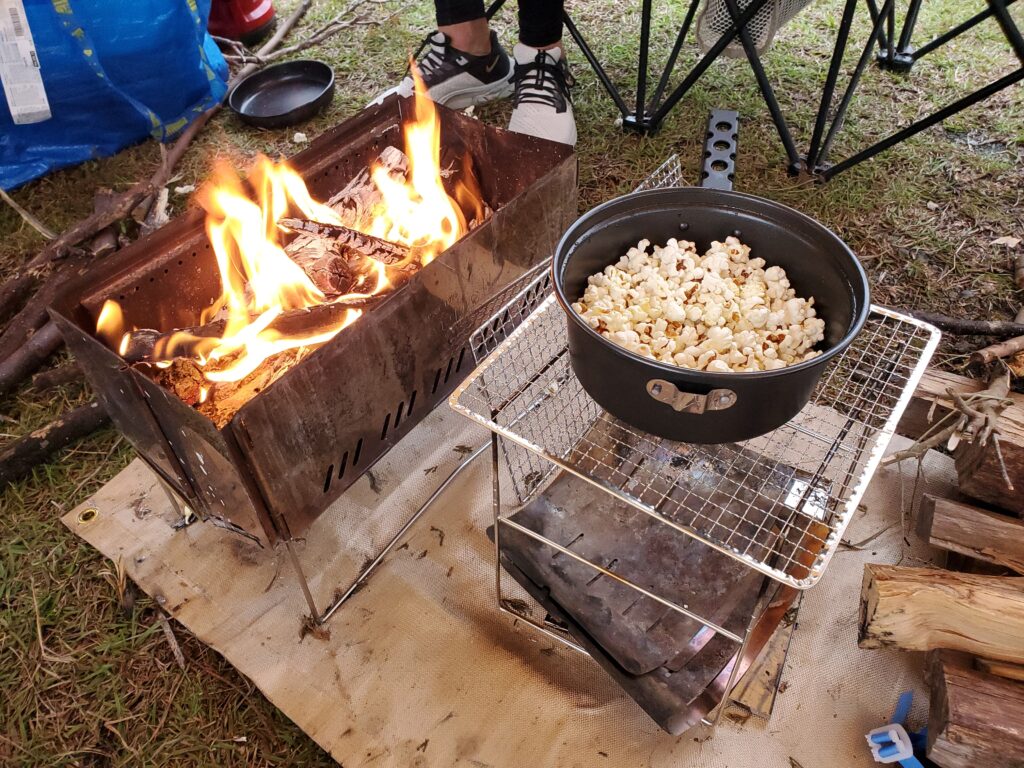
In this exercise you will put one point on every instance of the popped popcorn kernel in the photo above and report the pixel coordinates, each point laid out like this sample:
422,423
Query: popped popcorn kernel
722,311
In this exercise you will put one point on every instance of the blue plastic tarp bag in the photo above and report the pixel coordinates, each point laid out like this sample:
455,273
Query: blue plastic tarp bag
84,78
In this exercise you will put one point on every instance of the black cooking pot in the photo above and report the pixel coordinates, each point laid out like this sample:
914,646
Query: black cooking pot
697,406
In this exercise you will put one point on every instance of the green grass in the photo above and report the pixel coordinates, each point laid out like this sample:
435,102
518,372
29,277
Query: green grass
107,690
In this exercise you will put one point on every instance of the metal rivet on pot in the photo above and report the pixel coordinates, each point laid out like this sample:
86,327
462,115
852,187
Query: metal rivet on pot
737,233
683,226
656,389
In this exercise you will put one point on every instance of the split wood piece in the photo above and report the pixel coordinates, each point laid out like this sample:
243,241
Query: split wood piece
974,532
931,403
29,358
69,373
324,260
143,343
974,719
372,247
993,470
998,351
19,457
979,466
920,609
1000,669
969,327
105,242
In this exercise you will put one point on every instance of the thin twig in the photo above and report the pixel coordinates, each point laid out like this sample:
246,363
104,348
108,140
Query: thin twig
172,641
31,220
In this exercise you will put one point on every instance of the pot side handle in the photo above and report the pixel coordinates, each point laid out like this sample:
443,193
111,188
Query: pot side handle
719,164
690,402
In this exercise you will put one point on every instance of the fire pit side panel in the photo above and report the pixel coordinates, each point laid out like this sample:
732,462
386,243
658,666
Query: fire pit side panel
316,430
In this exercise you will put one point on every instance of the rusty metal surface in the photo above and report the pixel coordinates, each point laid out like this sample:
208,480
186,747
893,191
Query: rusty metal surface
296,446
640,633
676,700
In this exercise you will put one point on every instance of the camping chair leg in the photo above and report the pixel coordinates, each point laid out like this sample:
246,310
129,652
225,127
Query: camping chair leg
1009,28
599,70
792,154
834,66
701,66
927,122
677,48
817,161
641,71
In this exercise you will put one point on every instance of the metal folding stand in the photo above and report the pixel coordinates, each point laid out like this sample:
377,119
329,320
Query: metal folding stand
898,54
778,504
647,115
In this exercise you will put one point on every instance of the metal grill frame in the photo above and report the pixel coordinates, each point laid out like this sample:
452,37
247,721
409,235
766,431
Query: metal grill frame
880,370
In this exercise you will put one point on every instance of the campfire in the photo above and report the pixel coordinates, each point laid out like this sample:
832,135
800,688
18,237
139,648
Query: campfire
295,271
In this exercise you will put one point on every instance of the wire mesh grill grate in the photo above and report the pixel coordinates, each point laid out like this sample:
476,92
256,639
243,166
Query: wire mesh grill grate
780,502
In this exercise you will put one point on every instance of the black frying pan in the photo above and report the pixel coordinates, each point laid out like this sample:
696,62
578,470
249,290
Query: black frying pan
685,404
283,94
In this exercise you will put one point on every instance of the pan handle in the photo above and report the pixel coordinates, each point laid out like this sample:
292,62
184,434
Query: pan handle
719,165
690,402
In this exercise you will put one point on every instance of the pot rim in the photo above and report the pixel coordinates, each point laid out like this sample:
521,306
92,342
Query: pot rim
563,253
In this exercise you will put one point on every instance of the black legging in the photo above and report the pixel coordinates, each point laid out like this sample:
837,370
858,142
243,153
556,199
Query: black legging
540,21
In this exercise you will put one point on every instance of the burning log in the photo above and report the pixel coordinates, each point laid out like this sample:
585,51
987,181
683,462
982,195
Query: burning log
372,247
148,345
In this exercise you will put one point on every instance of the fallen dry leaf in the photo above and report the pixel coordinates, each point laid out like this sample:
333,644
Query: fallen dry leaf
1009,242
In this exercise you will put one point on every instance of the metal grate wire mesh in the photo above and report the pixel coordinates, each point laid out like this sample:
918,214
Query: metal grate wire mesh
780,502
715,20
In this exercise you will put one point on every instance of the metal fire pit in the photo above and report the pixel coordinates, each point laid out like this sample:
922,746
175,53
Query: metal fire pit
291,450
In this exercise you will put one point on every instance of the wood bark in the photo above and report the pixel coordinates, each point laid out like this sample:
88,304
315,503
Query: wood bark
971,531
975,720
920,609
969,327
19,457
69,373
29,357
998,351
14,293
372,247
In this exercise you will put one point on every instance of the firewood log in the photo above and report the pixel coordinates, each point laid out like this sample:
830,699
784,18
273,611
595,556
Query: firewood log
920,609
19,457
978,466
975,720
148,344
974,532
29,358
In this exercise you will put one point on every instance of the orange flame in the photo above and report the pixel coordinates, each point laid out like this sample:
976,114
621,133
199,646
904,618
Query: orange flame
260,282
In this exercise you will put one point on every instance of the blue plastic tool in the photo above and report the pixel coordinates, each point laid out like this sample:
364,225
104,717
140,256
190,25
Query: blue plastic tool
893,743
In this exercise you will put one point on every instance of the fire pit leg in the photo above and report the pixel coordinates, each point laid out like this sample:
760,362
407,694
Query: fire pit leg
314,614
183,511
357,582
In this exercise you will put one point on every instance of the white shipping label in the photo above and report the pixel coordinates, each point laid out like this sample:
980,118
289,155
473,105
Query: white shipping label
19,66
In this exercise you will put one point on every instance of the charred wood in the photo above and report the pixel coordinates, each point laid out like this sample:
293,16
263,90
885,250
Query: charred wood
372,247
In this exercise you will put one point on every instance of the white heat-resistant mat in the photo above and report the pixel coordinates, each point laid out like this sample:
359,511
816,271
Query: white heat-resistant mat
421,669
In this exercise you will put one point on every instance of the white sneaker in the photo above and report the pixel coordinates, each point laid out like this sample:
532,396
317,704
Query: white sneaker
543,107
456,79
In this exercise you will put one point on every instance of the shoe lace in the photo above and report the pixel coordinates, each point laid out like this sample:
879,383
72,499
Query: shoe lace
434,57
543,81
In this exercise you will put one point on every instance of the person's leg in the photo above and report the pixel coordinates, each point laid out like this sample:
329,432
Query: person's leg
540,23
465,24
464,63
543,107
